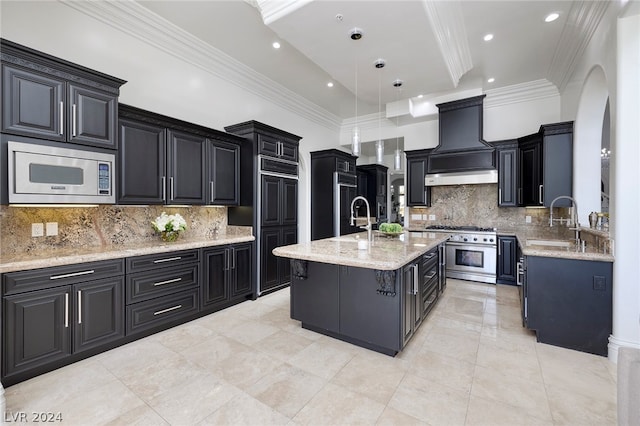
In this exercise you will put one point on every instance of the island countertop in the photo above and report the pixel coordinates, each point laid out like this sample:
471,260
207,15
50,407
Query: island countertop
382,253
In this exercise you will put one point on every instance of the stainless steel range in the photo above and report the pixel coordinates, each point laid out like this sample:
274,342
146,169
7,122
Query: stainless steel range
471,252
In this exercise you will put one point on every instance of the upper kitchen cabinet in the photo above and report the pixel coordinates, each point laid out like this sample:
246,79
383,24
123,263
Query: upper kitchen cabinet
49,98
418,195
372,184
507,158
280,147
167,161
545,161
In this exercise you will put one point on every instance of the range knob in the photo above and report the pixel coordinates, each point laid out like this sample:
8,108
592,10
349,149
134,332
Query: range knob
491,240
475,239
484,239
465,239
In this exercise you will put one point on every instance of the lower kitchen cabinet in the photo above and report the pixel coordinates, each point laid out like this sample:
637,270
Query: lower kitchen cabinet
161,312
275,271
506,266
52,314
227,274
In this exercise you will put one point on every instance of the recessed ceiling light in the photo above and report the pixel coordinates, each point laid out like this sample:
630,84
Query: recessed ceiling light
552,17
276,45
330,84
491,80
488,37
420,96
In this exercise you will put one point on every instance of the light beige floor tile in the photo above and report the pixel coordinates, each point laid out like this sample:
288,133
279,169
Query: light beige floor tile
511,358
99,405
139,416
287,389
459,344
571,408
185,336
243,410
443,369
322,359
282,345
250,332
458,322
278,298
529,396
222,320
392,417
430,402
484,412
49,391
373,375
335,405
252,309
280,318
193,401
130,358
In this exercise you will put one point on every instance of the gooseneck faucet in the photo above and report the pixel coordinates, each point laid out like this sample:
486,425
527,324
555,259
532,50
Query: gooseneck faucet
574,211
352,220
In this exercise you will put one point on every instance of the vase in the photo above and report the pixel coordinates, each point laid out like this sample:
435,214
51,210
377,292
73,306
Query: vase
169,236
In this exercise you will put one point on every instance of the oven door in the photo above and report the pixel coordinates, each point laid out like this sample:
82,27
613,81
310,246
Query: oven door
474,262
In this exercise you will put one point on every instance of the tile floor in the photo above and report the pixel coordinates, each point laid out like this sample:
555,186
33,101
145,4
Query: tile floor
470,363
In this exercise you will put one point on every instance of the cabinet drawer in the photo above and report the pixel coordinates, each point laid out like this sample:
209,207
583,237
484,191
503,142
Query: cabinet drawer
161,260
429,301
162,310
146,285
35,279
267,165
429,260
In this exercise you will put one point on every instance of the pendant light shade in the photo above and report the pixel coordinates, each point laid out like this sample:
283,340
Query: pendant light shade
397,160
355,142
356,34
380,152
397,155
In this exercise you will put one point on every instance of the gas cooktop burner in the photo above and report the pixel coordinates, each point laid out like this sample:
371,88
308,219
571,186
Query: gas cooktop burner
460,228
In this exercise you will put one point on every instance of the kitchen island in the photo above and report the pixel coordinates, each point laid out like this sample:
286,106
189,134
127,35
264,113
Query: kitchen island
375,297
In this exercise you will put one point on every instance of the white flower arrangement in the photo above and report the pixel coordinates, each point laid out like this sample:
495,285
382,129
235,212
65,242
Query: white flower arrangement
169,223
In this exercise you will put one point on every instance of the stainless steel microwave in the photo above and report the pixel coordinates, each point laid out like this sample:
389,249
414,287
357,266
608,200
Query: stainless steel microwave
47,174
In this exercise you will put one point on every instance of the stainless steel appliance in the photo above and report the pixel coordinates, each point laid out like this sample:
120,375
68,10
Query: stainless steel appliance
470,252
345,190
47,174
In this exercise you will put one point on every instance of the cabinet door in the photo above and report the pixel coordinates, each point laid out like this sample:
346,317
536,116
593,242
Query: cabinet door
215,284
506,273
142,163
347,194
270,203
242,268
381,183
508,177
98,313
269,272
186,170
93,116
224,173
289,150
417,193
32,104
289,236
289,210
268,145
531,174
408,305
36,329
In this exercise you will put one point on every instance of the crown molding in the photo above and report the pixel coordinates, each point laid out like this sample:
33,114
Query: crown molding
139,22
447,22
272,10
582,21
523,92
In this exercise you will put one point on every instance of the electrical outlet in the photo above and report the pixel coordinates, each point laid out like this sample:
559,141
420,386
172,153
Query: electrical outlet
432,217
37,230
52,228
416,217
527,219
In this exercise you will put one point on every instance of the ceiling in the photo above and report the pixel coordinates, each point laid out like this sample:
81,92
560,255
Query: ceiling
435,47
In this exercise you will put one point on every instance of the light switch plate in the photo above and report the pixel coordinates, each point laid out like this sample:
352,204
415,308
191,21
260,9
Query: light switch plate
52,228
37,229
432,217
416,217
527,219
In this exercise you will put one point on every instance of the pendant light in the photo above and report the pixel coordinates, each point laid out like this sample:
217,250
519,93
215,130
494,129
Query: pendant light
397,156
356,34
379,64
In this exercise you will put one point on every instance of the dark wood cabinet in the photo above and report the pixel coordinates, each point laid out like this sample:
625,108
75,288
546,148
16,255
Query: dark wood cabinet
223,171
333,187
275,271
278,147
507,259
546,165
52,314
418,195
167,161
52,99
411,305
372,184
279,201
508,166
226,275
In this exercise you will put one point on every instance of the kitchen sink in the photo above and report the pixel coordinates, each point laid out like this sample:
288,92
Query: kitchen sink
549,243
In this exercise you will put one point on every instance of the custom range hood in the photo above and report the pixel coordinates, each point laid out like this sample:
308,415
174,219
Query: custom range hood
462,156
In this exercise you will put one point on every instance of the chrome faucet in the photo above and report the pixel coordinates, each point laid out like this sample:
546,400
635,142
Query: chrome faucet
573,221
352,221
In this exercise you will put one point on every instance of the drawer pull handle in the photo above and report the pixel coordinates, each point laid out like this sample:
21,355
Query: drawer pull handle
169,259
74,274
431,275
61,118
79,306
66,310
430,256
175,280
164,311
73,120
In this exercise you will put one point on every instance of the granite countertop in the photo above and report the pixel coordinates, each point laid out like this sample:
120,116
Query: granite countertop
383,253
58,257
